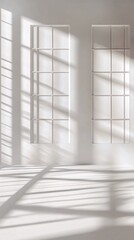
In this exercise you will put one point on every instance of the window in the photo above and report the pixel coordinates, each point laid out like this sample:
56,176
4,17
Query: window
50,84
110,84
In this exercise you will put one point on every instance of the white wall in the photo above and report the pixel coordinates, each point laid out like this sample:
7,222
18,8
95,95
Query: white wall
80,15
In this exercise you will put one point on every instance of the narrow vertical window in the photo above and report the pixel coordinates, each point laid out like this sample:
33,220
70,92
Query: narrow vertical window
50,94
110,84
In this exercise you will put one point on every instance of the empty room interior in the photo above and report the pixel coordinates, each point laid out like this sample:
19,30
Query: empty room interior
66,120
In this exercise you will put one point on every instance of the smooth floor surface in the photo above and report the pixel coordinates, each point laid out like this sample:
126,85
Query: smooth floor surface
66,203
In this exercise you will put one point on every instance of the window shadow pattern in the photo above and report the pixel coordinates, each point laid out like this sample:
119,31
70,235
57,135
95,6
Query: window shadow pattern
70,202
6,86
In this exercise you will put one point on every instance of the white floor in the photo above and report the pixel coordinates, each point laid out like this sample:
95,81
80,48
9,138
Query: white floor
66,203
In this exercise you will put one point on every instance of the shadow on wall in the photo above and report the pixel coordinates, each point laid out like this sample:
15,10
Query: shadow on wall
6,87
50,115
32,153
8,121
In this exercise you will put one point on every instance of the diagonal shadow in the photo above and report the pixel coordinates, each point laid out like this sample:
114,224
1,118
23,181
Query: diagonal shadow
11,202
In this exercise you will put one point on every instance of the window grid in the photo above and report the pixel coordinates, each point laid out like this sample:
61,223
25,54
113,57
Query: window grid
111,94
36,119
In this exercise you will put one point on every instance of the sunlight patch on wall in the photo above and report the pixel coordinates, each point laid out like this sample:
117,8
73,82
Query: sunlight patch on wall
6,86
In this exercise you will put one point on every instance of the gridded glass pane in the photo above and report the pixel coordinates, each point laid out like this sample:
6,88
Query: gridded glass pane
34,131
45,107
45,131
118,37
34,107
45,37
117,83
126,83
34,43
127,131
61,37
101,37
102,83
127,61
127,37
60,129
102,108
6,30
101,131
61,60
117,107
60,107
34,65
61,83
45,61
101,61
117,131
45,83
118,61
127,107
34,82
